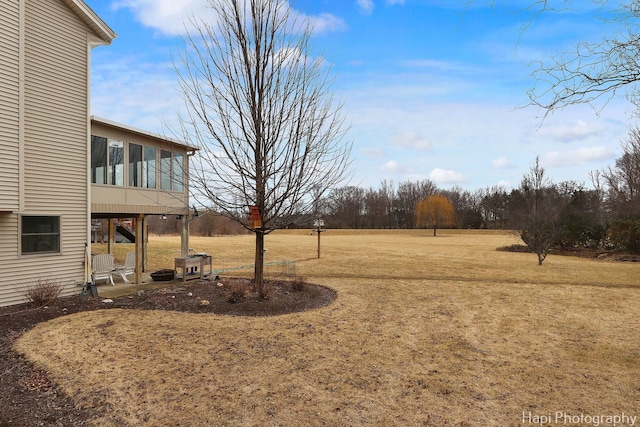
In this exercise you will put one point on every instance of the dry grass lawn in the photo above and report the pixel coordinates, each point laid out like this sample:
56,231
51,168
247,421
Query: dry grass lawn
425,331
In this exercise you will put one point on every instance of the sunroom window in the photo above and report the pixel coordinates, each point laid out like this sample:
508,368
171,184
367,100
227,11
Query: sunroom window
111,158
107,161
135,165
98,160
149,169
116,162
171,171
142,166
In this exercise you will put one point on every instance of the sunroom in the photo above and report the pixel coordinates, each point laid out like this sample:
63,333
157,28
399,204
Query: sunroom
136,174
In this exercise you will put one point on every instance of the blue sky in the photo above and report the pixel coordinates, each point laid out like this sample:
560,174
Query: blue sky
432,89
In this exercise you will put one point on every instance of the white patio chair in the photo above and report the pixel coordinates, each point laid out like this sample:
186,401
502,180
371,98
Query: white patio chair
102,268
129,266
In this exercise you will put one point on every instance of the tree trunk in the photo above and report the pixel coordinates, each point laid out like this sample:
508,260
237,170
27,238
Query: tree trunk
434,231
258,275
541,257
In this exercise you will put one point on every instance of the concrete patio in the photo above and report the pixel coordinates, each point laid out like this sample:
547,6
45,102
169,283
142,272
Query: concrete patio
105,290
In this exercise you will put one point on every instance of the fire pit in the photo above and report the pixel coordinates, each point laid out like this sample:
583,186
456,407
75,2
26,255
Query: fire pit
163,275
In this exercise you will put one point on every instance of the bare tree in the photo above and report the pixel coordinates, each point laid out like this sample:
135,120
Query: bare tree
377,208
493,206
595,70
466,205
623,181
347,207
536,208
260,107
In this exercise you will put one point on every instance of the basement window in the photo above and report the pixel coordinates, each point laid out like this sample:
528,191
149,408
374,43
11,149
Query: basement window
40,234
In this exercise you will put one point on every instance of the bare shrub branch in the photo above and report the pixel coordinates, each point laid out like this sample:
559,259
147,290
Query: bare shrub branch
43,292
595,71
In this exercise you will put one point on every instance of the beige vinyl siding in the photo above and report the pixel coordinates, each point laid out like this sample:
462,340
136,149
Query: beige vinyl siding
8,243
9,105
55,143
56,120
8,231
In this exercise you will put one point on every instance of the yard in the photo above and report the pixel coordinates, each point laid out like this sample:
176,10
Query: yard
424,331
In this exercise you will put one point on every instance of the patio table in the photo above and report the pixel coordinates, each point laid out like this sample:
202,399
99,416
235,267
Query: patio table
196,264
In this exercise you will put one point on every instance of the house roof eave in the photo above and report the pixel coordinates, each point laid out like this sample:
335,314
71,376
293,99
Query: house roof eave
102,30
111,123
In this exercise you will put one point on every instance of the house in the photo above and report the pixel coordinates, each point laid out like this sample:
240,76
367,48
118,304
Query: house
48,172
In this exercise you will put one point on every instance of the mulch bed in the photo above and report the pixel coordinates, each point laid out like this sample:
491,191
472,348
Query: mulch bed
28,398
601,254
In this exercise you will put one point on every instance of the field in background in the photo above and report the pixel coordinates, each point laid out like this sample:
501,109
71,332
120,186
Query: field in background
425,331
467,255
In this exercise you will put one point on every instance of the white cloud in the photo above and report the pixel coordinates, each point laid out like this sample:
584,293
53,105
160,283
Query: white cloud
411,140
166,16
373,153
437,65
579,131
579,156
506,184
170,16
366,6
326,23
502,163
442,176
133,91
393,167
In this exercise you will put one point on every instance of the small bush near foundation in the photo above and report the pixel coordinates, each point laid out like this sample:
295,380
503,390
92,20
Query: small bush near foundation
43,292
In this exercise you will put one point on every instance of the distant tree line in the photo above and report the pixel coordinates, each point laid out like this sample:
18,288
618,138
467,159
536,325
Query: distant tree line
545,213
207,225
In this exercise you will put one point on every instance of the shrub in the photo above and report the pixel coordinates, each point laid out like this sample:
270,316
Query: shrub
267,292
236,292
298,284
43,292
577,232
626,235
514,248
